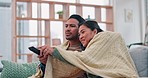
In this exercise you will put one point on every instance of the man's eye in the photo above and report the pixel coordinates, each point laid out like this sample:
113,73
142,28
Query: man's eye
72,25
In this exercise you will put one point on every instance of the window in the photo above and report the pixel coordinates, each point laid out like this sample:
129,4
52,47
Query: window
38,22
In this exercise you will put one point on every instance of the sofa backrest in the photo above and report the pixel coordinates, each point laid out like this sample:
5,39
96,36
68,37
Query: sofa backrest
140,58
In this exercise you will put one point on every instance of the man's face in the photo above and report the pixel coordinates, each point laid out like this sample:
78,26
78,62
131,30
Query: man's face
71,29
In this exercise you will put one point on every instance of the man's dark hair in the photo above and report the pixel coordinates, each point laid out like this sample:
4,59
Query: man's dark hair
77,17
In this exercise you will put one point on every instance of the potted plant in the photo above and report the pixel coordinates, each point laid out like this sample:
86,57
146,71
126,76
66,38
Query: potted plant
60,13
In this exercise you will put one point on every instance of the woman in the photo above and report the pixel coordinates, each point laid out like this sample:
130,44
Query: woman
105,53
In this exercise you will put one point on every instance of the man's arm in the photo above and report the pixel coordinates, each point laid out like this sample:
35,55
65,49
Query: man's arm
42,66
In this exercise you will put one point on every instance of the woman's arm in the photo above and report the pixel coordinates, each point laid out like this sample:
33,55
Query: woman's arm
57,55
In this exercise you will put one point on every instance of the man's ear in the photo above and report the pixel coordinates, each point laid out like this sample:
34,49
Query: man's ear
95,31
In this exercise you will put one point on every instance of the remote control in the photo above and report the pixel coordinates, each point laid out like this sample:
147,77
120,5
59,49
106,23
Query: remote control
35,50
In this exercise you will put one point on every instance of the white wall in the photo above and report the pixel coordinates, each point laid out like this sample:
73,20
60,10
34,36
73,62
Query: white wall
131,31
6,1
5,33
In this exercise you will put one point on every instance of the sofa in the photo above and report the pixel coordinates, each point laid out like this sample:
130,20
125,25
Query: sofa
0,71
138,54
140,57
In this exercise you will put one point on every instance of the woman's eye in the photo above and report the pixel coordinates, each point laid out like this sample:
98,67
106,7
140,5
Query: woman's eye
66,25
82,32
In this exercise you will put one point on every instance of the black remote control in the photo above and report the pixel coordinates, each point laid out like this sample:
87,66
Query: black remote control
35,50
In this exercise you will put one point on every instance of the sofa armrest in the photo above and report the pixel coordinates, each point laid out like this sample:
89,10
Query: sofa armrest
140,58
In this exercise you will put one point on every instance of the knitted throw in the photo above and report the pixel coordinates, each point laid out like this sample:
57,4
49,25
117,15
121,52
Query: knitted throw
63,70
106,55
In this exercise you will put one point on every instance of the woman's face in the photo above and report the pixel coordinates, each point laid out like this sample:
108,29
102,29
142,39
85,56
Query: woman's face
86,34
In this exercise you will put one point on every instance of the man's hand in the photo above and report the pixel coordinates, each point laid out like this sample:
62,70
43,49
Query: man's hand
45,51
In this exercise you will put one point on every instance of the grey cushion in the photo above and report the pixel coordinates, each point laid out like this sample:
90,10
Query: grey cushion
140,58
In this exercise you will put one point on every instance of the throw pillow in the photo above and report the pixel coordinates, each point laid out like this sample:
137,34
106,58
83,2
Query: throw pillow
18,70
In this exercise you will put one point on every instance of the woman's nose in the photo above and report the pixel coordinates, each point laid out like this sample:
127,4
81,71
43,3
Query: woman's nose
80,37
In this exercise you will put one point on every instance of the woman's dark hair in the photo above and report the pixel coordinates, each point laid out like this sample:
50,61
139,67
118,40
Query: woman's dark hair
92,25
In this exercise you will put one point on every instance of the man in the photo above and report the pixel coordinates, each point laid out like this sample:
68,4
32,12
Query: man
61,69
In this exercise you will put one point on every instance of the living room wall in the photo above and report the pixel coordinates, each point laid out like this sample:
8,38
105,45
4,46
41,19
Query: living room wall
132,29
5,33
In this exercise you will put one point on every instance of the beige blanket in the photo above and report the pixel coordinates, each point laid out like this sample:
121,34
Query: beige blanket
106,55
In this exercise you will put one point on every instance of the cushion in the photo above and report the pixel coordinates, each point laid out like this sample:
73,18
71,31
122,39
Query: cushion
18,70
140,58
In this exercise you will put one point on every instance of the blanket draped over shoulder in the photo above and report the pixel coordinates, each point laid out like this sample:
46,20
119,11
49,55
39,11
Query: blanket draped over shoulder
106,55
62,69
